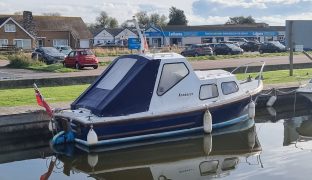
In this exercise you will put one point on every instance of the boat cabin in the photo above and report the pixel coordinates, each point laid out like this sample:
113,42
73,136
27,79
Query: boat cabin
154,83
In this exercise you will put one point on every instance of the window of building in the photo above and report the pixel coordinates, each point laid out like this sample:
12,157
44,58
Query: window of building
3,42
60,42
229,87
171,75
208,91
9,28
22,43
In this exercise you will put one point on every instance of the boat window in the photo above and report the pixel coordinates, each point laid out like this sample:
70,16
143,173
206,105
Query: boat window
208,91
170,76
229,87
229,163
116,73
208,167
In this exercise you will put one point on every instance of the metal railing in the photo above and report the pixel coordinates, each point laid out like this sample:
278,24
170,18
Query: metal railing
247,66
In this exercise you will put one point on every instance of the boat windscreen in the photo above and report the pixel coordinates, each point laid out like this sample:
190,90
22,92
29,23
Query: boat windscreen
116,73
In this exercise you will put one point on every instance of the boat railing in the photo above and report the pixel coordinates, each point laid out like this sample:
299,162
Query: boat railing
247,65
163,55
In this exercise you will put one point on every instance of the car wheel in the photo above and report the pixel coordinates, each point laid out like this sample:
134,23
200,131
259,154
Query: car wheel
261,51
77,66
195,55
95,67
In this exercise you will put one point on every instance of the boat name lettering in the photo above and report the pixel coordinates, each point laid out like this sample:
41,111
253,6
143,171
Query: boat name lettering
185,94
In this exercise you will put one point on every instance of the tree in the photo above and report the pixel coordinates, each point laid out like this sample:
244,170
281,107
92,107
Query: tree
177,17
52,14
18,13
143,19
103,20
158,20
113,23
163,20
241,20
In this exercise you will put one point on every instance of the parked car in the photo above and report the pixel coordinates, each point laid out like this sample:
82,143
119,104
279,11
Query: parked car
49,55
250,46
64,49
197,50
240,41
230,49
230,42
272,47
81,58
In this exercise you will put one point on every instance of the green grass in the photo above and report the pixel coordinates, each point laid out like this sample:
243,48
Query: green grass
246,55
106,63
282,76
19,97
51,68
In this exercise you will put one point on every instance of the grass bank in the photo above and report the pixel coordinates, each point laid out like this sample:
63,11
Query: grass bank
26,96
18,97
240,56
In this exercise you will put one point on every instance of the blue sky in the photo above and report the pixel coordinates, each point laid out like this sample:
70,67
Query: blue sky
198,12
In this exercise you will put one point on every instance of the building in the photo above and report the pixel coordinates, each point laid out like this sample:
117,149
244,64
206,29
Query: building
116,36
27,31
185,35
299,32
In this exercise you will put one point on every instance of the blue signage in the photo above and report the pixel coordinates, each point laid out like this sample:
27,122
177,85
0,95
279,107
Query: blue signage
134,43
211,33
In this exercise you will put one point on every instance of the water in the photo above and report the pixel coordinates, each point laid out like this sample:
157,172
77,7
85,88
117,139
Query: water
277,146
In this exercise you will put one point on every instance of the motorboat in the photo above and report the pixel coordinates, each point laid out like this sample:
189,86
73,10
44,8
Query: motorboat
306,90
154,95
196,156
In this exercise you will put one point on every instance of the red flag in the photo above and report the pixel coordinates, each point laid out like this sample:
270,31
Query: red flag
42,102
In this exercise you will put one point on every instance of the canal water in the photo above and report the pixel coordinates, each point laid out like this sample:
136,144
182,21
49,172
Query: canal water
276,145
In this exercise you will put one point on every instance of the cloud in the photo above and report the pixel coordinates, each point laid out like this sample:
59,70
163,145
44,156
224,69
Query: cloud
276,11
198,12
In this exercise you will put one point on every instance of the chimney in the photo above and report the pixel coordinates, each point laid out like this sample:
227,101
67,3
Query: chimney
29,24
27,20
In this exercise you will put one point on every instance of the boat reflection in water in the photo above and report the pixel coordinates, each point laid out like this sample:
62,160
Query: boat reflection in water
298,131
196,156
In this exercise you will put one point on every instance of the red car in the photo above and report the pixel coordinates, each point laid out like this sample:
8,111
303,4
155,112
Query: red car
81,58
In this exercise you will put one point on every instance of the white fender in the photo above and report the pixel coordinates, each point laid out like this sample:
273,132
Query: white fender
271,101
271,111
207,144
50,126
92,137
93,159
252,138
252,110
207,122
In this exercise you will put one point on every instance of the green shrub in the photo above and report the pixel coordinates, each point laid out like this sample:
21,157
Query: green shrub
22,61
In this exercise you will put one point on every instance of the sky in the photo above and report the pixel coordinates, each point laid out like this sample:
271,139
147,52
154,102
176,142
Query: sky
198,12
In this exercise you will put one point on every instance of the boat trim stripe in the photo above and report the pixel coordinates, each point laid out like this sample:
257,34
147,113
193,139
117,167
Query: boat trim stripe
161,135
